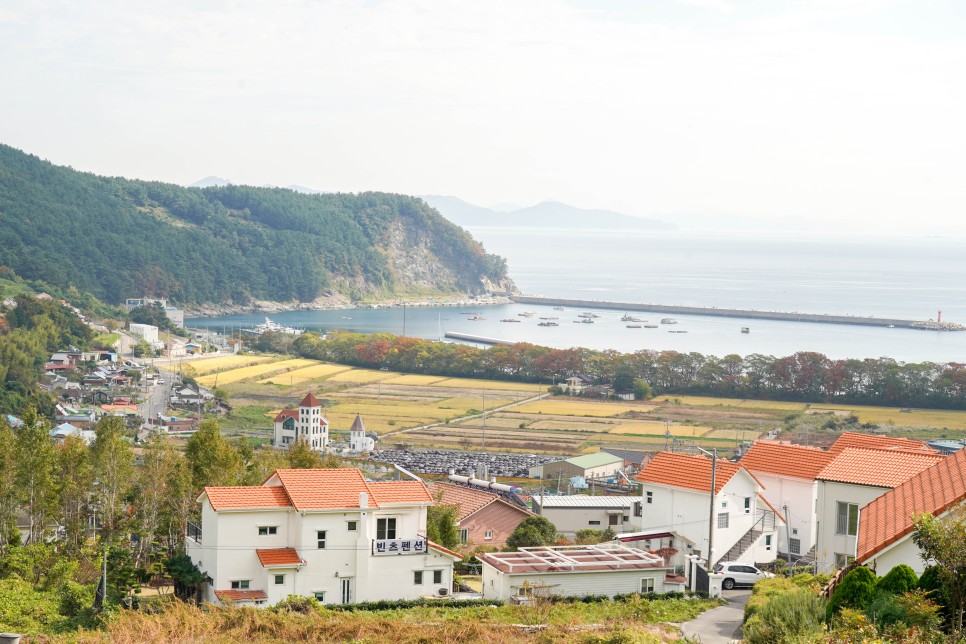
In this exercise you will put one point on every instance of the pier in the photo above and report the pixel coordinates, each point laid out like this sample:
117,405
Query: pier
740,313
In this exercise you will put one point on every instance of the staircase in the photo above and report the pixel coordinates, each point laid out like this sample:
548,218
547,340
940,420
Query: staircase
764,523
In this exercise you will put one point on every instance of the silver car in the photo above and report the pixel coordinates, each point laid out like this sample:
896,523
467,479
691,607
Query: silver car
739,574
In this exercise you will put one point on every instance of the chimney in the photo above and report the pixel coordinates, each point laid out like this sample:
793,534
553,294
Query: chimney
363,500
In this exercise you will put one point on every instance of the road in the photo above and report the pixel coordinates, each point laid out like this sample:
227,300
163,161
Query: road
720,625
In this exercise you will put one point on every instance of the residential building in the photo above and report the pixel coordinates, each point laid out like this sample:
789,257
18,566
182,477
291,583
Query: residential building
676,489
885,525
324,533
574,512
854,478
605,569
62,431
482,517
147,332
671,545
587,466
788,473
303,424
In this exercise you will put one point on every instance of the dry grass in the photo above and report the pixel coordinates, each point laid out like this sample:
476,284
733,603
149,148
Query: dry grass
699,401
463,404
579,408
776,405
412,379
935,418
495,421
236,375
574,426
379,424
223,363
371,408
742,434
658,428
477,385
362,376
305,374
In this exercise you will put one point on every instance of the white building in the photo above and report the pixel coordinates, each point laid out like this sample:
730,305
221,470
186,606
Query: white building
581,512
147,332
303,424
595,465
358,441
605,569
677,498
885,525
322,533
788,473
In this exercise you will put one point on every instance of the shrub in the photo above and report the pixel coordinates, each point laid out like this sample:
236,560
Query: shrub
765,590
786,617
932,585
911,610
856,591
898,581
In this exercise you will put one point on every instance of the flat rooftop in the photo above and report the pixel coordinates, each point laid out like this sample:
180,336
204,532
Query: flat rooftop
551,559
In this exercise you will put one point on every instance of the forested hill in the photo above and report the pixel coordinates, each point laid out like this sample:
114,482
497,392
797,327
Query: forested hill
120,238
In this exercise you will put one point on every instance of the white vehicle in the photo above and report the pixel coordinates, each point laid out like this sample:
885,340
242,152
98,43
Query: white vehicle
160,381
739,574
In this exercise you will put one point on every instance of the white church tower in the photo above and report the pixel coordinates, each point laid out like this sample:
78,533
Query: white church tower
358,441
303,424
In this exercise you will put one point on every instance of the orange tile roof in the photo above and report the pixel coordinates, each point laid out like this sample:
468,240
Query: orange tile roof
285,414
692,472
878,467
329,489
445,551
390,492
310,401
888,518
240,595
786,460
854,439
278,557
248,497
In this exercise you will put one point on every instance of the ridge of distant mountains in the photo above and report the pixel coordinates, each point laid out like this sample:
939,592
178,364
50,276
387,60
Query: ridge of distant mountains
546,214
225,244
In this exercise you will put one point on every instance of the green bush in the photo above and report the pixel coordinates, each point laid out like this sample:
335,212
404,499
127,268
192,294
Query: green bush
932,585
765,590
786,617
910,610
856,591
898,581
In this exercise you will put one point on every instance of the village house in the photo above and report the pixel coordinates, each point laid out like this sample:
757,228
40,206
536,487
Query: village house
573,512
189,396
677,498
673,547
597,465
303,424
885,525
482,517
327,534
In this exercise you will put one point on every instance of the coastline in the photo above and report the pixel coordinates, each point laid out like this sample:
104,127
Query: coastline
340,302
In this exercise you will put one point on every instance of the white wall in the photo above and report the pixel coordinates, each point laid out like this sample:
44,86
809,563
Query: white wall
569,519
902,552
829,495
498,585
800,496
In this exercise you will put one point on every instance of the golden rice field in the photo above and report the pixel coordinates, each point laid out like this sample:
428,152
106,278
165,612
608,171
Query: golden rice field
235,375
659,428
730,434
305,374
414,380
361,376
777,405
223,363
699,401
493,421
578,408
378,424
469,383
473,403
572,426
895,416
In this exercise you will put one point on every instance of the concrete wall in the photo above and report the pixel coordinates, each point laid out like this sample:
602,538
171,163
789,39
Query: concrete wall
800,495
568,519
498,585
828,541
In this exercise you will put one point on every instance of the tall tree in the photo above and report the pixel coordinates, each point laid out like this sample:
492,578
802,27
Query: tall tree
75,487
213,460
113,460
154,486
35,473
9,502
944,541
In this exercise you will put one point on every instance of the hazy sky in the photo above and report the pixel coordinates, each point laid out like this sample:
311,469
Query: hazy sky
848,111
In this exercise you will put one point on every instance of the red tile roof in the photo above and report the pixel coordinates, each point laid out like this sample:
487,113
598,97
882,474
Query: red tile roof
279,557
691,472
445,551
310,401
240,595
285,414
329,489
249,497
888,518
878,467
390,492
786,460
854,439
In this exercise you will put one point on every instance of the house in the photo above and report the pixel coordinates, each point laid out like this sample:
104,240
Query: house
885,525
147,332
588,466
788,474
187,395
305,423
677,498
359,441
175,348
674,548
323,533
79,417
575,512
576,384
604,569
62,431
481,516
854,478
174,314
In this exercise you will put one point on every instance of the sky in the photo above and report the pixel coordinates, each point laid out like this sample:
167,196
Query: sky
849,114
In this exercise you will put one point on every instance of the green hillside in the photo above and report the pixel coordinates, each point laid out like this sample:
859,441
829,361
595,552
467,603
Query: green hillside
117,238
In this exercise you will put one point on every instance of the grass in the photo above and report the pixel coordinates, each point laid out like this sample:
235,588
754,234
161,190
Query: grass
570,426
413,379
937,418
235,375
726,434
250,417
567,407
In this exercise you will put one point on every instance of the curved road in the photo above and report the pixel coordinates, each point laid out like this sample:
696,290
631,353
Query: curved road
721,625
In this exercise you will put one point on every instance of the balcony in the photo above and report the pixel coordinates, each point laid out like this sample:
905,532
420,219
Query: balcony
194,532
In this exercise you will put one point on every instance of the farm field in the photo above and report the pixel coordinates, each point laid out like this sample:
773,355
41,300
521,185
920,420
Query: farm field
658,428
414,379
224,363
305,374
570,407
938,418
234,375
469,383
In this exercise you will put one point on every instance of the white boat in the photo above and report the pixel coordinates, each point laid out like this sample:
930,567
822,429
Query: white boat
272,326
669,321
630,318
633,326
559,308
745,329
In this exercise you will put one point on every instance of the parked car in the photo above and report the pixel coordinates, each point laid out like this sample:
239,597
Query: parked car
739,574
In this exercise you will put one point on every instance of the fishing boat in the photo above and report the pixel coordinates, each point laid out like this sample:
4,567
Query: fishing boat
650,326
475,318
559,308
677,331
270,326
510,320
668,321
631,318
633,326
548,323
526,314
745,329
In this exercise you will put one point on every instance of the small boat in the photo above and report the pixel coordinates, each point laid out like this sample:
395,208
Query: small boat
550,318
746,329
677,331
668,321
559,308
587,321
633,326
272,326
650,326
890,326
511,320
548,323
631,318
587,315
475,318
527,314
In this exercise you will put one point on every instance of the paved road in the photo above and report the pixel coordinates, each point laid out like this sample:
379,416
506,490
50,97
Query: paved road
719,625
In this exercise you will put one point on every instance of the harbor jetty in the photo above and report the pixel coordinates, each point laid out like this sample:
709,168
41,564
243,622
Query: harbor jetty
928,325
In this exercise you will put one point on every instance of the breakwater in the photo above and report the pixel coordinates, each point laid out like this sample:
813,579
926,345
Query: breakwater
741,313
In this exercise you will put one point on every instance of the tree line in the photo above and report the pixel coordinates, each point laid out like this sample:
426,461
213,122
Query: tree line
805,376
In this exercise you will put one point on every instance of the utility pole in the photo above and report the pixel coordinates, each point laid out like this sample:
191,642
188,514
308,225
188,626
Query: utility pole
788,540
714,466
484,418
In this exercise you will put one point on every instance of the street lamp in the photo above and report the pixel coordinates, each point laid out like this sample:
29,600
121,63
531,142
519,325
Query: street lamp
714,465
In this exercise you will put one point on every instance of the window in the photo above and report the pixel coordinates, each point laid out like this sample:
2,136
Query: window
240,584
625,518
265,530
279,580
613,519
650,497
847,519
593,523
320,595
767,542
723,520
747,505
320,539
795,545
638,509
842,559
418,577
794,530
385,528
464,535
259,602
352,526
437,576
647,585
488,534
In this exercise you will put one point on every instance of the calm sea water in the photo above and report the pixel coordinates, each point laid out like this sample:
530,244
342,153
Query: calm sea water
911,278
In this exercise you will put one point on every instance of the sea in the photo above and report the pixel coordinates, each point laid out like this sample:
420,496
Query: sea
914,277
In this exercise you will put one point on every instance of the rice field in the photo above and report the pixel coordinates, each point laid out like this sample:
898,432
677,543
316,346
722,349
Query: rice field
469,383
659,428
414,380
493,421
473,403
699,401
305,374
223,363
361,376
938,418
572,426
578,408
730,434
236,375
776,405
